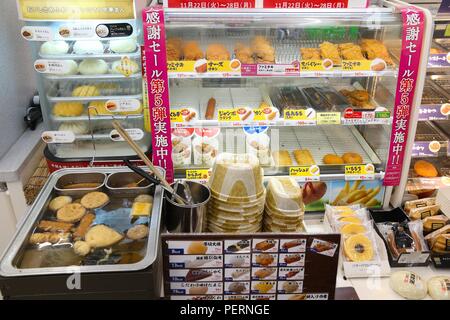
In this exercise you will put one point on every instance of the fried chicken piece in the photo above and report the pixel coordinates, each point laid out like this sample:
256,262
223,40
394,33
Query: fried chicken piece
52,237
263,50
217,51
330,51
243,53
350,51
192,51
173,49
55,226
358,98
310,54
373,49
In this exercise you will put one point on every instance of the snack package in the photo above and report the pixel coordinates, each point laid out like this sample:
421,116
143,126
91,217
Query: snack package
360,247
346,214
349,228
439,240
424,212
420,203
433,223
405,237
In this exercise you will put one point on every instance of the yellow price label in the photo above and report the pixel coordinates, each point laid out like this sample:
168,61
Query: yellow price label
328,118
180,66
356,65
176,116
307,173
360,172
312,65
447,31
76,9
295,114
224,66
197,174
228,115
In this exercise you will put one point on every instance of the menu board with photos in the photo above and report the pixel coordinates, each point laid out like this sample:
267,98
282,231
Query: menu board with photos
264,266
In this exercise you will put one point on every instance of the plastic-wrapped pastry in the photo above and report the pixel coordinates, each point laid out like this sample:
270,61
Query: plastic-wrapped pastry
408,284
330,51
192,51
173,49
77,127
88,47
217,51
282,158
373,49
310,54
68,109
54,48
263,50
350,51
121,68
71,68
86,91
93,67
123,45
439,288
243,53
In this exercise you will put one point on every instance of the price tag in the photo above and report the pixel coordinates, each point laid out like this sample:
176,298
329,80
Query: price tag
37,33
447,31
228,115
197,174
360,172
328,118
123,105
58,137
176,116
265,114
382,114
60,67
180,66
135,135
224,66
315,65
305,173
295,114
356,65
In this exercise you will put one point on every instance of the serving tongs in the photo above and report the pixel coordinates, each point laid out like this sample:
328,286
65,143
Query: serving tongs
159,178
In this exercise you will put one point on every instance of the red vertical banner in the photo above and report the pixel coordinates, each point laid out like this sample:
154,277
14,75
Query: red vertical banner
412,35
158,87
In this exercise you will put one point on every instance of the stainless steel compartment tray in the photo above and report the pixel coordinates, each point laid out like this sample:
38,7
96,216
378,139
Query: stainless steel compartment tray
35,213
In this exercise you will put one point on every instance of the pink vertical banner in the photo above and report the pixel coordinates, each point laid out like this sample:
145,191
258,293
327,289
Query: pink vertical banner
412,35
158,87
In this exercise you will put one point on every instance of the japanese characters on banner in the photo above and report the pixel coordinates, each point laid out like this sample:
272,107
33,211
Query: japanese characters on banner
412,35
158,88
277,4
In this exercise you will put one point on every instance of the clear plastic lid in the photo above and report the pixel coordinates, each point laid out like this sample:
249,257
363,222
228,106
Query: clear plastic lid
284,193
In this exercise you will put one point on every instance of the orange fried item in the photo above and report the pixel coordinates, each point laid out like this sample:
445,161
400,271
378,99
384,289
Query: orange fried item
217,51
330,51
310,54
373,49
350,51
192,51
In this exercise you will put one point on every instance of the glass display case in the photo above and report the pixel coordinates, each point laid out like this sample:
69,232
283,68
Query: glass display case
310,93
89,72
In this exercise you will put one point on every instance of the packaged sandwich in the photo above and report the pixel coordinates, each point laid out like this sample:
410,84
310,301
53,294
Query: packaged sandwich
422,213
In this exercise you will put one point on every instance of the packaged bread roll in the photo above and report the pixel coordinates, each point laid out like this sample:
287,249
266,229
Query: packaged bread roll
422,213
408,284
420,203
439,288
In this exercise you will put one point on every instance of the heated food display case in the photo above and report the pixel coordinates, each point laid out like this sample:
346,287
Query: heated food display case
88,60
310,93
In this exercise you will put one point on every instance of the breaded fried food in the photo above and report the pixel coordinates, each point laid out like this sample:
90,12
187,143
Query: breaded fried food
263,50
243,53
350,51
358,98
373,49
54,226
217,51
310,54
330,51
192,51
173,49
